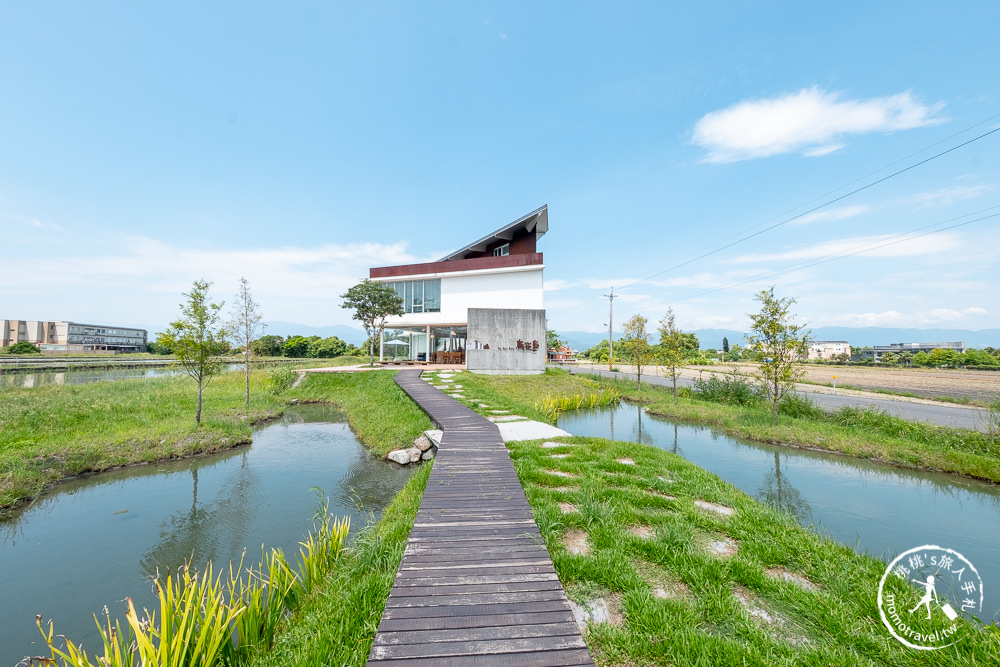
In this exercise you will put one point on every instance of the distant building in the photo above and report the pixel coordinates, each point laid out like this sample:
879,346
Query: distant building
73,336
827,349
561,355
876,353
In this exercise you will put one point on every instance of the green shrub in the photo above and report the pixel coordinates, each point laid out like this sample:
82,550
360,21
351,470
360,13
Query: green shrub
280,379
24,347
799,407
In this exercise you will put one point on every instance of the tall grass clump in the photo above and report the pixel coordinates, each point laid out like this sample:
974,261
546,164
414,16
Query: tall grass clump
208,619
551,406
280,379
727,390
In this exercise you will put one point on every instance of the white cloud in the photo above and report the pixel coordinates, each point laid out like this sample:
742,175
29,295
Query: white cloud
810,120
894,318
947,196
924,245
831,214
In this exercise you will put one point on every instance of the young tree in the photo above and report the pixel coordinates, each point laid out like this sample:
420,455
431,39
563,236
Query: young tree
673,346
197,339
552,340
778,342
372,303
725,345
244,324
635,338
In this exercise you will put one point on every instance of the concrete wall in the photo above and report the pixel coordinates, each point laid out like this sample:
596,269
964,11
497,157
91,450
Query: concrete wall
501,330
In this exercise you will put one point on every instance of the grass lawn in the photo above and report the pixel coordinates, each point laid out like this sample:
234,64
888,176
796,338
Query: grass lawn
51,432
864,434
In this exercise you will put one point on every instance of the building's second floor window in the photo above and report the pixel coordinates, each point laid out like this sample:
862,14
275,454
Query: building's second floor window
502,251
419,296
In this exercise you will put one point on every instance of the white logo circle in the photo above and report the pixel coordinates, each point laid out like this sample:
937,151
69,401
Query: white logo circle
951,587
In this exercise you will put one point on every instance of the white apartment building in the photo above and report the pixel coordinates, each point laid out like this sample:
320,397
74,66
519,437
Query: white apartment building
63,336
827,349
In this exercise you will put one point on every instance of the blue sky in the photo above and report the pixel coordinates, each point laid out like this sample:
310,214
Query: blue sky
146,145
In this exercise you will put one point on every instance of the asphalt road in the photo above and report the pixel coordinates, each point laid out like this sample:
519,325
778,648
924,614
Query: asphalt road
954,416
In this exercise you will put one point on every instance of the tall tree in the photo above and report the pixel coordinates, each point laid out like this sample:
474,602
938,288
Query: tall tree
673,346
197,338
636,341
552,340
725,345
372,303
779,343
245,326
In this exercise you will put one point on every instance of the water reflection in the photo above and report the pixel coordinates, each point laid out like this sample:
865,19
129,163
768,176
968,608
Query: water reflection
97,538
871,507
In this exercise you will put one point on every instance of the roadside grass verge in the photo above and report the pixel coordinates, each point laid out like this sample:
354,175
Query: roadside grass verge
381,415
867,434
337,623
734,582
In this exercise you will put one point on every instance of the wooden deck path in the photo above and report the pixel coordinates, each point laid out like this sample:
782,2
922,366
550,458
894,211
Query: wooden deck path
476,585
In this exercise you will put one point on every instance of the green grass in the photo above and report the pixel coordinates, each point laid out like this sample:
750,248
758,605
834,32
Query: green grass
700,621
864,434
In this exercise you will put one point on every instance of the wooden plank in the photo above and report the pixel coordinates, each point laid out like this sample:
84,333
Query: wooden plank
476,586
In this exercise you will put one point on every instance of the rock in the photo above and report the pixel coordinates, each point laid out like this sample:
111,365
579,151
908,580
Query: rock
414,454
422,443
429,454
400,456
435,436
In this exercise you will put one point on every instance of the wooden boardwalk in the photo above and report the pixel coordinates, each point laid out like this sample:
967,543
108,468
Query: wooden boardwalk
476,585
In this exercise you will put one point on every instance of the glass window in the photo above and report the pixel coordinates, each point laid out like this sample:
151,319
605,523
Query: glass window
418,296
502,251
432,296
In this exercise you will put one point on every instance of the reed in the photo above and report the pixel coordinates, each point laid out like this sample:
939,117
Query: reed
551,406
206,619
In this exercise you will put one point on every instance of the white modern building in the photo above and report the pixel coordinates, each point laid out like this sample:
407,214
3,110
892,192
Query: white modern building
62,336
827,349
501,273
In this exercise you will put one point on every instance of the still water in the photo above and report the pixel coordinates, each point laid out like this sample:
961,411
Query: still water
29,379
96,540
873,508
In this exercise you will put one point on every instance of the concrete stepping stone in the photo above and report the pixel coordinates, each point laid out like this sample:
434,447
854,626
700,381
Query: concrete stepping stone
528,430
553,445
507,418
713,507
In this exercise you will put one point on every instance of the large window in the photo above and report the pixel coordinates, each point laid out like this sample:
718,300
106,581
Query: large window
419,296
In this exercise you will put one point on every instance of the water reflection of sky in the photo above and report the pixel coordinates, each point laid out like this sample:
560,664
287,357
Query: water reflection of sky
93,542
879,509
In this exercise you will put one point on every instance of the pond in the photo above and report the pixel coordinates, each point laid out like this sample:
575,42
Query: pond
10,379
96,539
872,508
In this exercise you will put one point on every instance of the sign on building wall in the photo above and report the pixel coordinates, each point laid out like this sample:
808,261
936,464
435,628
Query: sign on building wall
506,341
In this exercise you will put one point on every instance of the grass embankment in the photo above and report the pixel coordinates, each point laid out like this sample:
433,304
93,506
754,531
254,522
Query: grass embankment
51,432
867,434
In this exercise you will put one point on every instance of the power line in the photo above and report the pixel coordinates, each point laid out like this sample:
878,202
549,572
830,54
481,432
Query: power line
856,250
816,208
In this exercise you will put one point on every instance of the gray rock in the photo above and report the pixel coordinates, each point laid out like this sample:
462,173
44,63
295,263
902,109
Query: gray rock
429,454
435,436
400,456
414,454
422,443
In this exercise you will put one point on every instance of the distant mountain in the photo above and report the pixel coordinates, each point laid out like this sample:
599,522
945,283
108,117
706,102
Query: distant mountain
341,331
857,337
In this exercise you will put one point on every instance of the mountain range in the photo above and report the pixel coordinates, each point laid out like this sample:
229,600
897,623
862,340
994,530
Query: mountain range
856,336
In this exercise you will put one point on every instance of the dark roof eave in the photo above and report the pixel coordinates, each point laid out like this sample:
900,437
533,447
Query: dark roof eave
536,221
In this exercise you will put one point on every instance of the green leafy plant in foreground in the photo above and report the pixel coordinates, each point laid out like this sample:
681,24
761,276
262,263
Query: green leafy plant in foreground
210,620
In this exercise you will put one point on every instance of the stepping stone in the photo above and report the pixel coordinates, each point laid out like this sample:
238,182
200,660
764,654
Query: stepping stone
797,579
560,473
645,532
626,462
484,405
553,445
723,547
575,542
507,418
528,430
568,508
558,456
712,507
495,412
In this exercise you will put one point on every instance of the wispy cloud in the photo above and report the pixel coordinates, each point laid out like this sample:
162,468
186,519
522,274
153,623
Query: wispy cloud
811,120
950,195
869,245
895,318
831,214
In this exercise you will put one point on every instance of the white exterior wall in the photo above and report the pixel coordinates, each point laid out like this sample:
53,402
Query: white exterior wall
490,288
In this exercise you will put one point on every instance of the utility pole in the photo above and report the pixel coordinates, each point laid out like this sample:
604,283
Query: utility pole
611,323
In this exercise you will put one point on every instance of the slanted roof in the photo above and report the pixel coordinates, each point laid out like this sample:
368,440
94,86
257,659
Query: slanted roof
537,221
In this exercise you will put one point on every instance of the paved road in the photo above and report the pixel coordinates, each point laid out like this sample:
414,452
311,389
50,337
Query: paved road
955,416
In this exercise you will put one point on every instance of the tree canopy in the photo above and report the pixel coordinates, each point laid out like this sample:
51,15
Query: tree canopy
778,342
372,303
